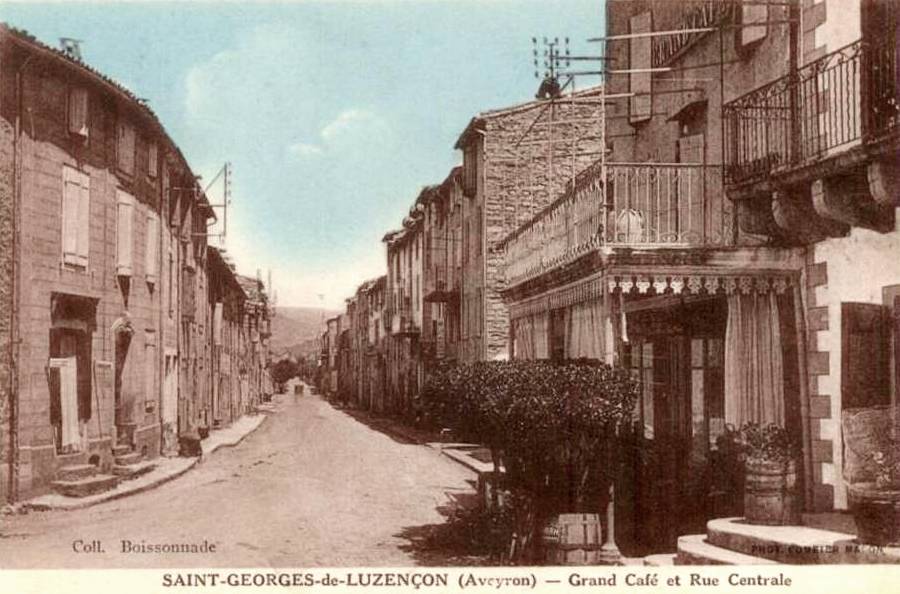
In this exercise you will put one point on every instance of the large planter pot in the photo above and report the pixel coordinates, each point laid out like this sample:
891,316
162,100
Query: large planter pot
877,514
770,493
572,539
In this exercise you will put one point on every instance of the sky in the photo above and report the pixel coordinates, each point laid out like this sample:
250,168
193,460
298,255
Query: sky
332,113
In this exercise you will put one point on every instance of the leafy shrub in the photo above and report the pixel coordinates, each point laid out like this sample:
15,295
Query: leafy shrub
768,442
552,425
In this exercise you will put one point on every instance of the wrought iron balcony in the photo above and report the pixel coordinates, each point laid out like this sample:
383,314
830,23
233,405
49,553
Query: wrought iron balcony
438,288
844,99
650,205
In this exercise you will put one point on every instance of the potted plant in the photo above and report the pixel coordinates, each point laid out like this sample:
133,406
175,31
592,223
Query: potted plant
872,470
770,485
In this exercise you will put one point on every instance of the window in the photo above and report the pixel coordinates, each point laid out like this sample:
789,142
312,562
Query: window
752,13
641,106
865,355
125,147
470,169
558,334
151,265
153,157
124,235
78,112
75,218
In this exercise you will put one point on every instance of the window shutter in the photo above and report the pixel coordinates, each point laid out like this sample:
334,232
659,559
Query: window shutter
84,219
152,159
640,82
75,217
753,13
78,111
217,324
151,265
125,147
865,355
70,202
124,207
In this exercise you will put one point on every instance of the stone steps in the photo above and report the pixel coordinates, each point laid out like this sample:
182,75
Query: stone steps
74,472
128,459
693,549
85,486
132,471
121,449
797,545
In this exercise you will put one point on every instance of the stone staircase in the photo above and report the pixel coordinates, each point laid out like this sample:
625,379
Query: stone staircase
730,541
80,479
129,464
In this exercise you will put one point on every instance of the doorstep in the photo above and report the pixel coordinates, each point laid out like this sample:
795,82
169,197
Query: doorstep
166,470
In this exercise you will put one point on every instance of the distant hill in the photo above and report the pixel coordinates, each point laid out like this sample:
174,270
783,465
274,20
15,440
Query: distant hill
294,327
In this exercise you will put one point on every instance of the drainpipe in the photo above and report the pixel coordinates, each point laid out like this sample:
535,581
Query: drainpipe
14,346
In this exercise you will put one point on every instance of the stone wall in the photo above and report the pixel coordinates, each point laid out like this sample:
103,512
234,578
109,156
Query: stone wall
7,178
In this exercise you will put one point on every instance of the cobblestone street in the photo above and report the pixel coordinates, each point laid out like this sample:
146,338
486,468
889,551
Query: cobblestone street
311,487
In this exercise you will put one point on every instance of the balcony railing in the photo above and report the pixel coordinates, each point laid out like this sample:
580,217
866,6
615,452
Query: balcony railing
624,205
843,99
440,286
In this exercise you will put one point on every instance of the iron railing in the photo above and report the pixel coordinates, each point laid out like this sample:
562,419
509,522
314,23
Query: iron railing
626,205
843,99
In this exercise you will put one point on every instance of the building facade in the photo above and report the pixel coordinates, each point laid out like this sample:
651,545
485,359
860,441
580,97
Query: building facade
103,276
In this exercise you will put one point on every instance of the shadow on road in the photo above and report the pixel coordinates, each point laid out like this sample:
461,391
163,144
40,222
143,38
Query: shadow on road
393,428
458,541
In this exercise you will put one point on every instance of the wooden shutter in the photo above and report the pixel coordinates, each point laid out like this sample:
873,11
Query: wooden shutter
125,147
124,228
640,57
151,264
153,156
78,111
691,149
753,13
75,217
865,355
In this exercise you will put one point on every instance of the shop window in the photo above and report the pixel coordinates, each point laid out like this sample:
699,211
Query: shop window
865,355
75,218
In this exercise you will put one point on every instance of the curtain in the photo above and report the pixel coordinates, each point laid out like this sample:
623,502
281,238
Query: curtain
542,335
754,377
584,336
523,335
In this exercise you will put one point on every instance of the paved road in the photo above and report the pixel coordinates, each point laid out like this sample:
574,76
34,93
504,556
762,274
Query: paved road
312,487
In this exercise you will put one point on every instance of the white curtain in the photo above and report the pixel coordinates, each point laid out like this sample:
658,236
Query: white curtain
584,336
754,375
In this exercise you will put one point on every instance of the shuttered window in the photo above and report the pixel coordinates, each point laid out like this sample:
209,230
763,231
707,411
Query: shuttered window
753,13
75,217
125,147
690,149
124,233
470,169
640,82
865,355
153,156
151,264
78,111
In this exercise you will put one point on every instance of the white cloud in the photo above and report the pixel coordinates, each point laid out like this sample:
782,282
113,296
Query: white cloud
352,124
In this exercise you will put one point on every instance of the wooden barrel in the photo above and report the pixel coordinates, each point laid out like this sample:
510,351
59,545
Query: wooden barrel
770,493
573,539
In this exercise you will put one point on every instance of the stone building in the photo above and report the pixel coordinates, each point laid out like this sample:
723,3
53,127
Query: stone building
102,218
516,160
256,329
737,248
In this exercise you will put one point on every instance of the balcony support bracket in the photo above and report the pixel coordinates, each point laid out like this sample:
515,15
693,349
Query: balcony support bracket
795,216
884,183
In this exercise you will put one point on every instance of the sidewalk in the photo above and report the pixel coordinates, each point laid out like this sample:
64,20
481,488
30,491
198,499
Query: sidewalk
166,470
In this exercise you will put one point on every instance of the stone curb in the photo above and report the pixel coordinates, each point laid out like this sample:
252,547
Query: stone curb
80,503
